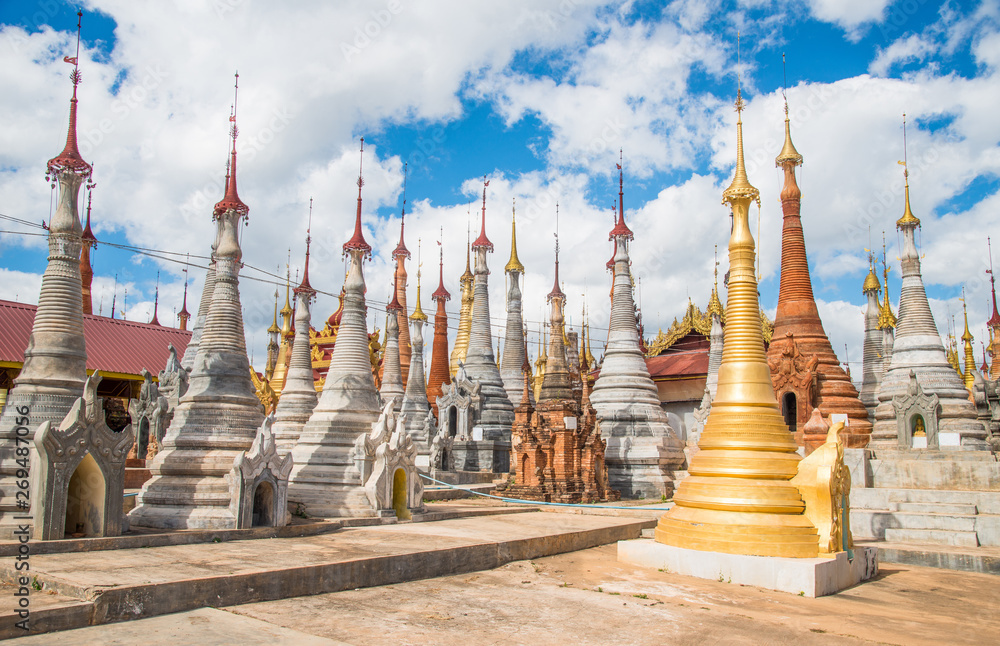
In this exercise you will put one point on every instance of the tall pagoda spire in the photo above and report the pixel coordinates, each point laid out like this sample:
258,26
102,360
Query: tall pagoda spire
918,355
642,450
970,360
184,316
415,406
89,242
298,390
496,413
325,477
513,358
818,380
556,382
54,370
466,283
219,415
439,375
994,321
156,302
357,241
739,498
392,379
401,254
872,362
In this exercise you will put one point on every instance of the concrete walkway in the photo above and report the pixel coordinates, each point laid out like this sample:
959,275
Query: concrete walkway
124,584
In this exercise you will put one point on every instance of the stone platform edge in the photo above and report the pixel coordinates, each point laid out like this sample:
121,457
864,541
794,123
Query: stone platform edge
815,577
109,605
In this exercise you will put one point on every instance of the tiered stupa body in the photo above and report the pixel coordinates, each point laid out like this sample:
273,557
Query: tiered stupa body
643,452
439,374
917,350
325,481
55,360
401,254
467,285
219,414
415,407
298,395
738,498
392,379
512,364
496,413
805,370
872,367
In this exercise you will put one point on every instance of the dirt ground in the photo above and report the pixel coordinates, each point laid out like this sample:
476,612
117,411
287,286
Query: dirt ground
587,597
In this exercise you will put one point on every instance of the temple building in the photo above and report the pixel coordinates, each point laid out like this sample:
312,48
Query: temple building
439,374
326,480
219,414
466,284
514,356
805,370
556,443
55,359
642,450
298,394
919,364
490,434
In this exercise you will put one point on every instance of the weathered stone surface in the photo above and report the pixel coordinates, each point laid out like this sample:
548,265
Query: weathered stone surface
392,381
387,460
258,482
415,406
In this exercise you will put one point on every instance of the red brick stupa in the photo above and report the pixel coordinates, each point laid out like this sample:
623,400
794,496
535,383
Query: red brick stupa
439,373
804,369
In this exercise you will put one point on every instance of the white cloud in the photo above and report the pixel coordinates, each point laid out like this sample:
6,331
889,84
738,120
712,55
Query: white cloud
848,14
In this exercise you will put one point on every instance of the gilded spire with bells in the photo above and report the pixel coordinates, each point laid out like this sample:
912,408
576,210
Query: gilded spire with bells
714,304
871,283
908,219
886,318
970,360
286,310
514,264
184,316
305,287
738,498
418,312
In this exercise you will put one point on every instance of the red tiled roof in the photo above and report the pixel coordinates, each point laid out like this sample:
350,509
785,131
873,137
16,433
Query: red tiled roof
678,364
113,345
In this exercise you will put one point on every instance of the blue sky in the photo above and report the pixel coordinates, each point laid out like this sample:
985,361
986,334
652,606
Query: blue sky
539,96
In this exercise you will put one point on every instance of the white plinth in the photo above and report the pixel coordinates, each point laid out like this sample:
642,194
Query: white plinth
808,577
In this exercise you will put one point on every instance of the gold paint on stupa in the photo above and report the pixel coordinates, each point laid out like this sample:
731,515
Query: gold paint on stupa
970,360
738,498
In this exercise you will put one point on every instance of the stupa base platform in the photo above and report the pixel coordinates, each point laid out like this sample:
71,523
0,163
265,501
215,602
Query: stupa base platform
492,456
810,577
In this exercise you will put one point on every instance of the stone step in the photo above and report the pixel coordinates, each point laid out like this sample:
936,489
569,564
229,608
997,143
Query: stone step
952,509
935,496
932,536
944,522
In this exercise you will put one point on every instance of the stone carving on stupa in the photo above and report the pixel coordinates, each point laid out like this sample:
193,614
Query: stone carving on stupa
298,395
173,383
148,413
825,484
415,407
490,441
385,457
557,446
258,482
325,481
54,369
392,380
466,283
459,406
401,254
643,452
71,456
219,414
439,375
804,368
917,350
738,498
514,356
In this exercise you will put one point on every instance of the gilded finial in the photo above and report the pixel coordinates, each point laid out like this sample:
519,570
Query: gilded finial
274,329
886,318
908,218
418,312
714,303
871,280
514,264
741,188
788,153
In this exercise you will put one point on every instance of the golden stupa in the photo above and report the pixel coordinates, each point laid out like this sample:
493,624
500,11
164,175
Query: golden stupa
738,498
